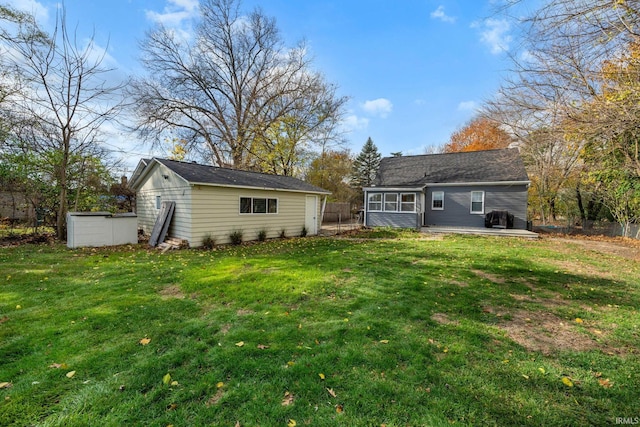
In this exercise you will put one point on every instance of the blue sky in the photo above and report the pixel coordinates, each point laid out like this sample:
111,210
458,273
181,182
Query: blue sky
414,70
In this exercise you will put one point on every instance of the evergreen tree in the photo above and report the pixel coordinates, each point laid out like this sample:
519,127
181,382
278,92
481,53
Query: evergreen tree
365,166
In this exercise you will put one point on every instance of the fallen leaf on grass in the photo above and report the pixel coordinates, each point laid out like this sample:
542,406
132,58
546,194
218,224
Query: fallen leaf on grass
220,385
58,366
4,319
331,392
292,423
321,375
172,407
579,320
166,379
237,424
70,374
288,399
240,344
5,385
384,341
567,381
339,409
145,341
263,347
605,383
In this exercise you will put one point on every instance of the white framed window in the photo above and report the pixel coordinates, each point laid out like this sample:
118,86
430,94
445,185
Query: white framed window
374,202
258,205
391,202
477,202
158,202
437,201
407,202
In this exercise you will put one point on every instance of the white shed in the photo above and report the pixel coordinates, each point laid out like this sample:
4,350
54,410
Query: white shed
101,229
214,201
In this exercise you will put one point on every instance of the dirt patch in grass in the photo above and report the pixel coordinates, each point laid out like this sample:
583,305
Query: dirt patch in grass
215,398
244,312
547,333
443,319
172,291
491,277
621,247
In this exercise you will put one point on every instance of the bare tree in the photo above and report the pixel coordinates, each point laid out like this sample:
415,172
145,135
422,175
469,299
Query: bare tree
229,86
556,102
65,100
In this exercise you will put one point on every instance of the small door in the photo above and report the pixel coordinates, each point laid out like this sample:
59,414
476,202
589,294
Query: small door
311,215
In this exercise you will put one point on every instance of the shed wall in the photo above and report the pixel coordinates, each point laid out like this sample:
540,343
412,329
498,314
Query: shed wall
171,189
216,212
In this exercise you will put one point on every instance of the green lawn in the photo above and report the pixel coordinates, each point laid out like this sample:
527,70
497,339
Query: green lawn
404,330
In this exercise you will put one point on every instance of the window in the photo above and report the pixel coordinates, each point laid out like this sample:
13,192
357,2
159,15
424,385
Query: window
245,205
272,206
477,202
158,202
391,202
437,200
256,205
375,202
408,202
259,205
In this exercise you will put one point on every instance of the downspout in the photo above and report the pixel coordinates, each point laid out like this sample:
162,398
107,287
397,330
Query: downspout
364,210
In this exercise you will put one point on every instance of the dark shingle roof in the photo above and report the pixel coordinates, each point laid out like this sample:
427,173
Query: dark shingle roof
204,174
474,166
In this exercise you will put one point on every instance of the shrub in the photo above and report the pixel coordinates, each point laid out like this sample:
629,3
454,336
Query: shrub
236,237
262,235
208,242
304,232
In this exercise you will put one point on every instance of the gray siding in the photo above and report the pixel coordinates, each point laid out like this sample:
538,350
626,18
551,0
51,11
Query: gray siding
457,205
395,219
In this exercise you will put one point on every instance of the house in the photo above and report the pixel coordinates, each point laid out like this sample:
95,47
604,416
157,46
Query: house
453,189
214,201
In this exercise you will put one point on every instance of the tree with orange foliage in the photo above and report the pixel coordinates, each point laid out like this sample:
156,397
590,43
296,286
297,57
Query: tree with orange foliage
478,134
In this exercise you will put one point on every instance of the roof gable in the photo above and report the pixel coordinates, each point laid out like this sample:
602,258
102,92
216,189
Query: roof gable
452,168
195,173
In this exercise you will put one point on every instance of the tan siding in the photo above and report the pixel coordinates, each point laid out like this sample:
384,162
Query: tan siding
172,189
216,212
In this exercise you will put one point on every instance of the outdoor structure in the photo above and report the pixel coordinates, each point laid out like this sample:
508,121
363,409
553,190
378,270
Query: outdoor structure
453,190
16,206
214,201
101,229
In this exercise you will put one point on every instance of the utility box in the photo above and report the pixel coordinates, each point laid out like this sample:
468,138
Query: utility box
101,229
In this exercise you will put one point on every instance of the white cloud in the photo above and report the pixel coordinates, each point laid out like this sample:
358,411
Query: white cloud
380,107
353,123
441,15
174,13
468,106
495,34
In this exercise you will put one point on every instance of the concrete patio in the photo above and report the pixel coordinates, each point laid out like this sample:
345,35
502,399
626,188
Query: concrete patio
504,232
